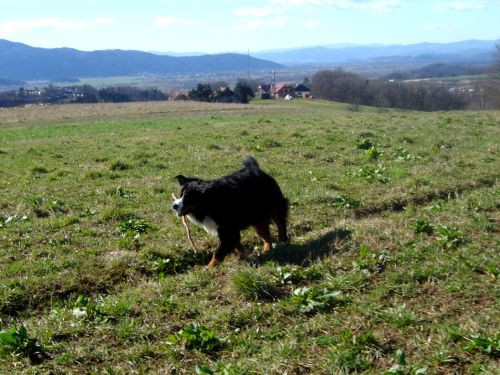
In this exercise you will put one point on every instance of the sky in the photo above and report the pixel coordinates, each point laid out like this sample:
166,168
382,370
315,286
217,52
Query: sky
241,26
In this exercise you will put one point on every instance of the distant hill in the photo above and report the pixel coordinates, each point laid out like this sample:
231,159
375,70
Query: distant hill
472,51
436,71
22,62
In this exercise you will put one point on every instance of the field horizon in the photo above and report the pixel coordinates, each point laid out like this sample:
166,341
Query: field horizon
392,265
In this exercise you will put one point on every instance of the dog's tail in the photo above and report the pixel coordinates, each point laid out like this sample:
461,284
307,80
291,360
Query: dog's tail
250,162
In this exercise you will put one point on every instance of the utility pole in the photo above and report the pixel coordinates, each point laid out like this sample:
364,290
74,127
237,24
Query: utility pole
274,84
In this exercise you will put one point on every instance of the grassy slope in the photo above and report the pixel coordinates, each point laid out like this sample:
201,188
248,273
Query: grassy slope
71,178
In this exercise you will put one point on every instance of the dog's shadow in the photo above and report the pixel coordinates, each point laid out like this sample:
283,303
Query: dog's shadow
303,254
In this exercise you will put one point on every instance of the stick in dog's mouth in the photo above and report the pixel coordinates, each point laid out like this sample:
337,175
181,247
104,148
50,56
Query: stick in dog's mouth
186,227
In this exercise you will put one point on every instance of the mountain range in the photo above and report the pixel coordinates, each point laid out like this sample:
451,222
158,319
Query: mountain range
22,62
471,51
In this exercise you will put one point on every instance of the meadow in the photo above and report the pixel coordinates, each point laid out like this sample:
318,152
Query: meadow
392,266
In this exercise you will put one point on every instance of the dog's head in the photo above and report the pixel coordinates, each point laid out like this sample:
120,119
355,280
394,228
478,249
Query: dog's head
190,197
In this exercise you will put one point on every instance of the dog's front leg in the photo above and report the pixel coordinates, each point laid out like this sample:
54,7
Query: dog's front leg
229,239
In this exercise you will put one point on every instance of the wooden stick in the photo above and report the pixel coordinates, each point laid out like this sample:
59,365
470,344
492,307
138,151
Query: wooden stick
188,232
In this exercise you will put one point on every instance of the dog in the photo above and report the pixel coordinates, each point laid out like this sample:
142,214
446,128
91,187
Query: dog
225,206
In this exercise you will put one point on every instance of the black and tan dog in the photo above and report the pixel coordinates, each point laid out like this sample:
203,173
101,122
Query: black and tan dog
227,205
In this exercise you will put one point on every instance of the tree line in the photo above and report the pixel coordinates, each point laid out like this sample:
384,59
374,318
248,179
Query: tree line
242,93
79,94
348,87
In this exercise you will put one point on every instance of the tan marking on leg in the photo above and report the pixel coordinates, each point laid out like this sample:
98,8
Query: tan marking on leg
262,229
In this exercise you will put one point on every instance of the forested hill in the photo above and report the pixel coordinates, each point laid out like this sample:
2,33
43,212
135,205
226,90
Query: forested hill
22,62
437,71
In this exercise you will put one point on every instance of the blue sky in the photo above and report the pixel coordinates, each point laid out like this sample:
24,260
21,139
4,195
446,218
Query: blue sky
220,26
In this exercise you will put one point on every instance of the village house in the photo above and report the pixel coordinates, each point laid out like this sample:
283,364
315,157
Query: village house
179,97
31,92
302,91
282,90
264,91
224,95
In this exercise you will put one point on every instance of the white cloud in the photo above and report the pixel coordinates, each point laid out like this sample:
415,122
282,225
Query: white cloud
254,12
268,17
169,21
255,24
300,2
104,21
461,5
375,5
11,27
379,5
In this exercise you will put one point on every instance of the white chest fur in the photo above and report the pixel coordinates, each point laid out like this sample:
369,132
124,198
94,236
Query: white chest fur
208,224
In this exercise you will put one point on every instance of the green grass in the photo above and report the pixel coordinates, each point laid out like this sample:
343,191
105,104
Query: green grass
392,266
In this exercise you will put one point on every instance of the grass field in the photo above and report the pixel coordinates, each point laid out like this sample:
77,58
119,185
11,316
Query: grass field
392,267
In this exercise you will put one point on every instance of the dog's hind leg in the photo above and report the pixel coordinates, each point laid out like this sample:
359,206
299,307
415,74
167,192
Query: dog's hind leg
229,240
262,229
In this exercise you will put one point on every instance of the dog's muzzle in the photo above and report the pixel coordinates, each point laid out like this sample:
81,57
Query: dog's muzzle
177,206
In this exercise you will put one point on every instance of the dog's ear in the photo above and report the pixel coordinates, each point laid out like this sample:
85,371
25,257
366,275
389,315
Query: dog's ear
181,179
